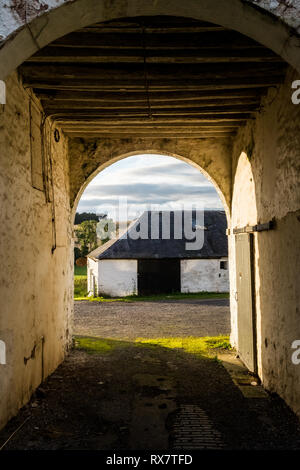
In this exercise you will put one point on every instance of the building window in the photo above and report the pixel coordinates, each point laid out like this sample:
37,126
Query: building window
223,265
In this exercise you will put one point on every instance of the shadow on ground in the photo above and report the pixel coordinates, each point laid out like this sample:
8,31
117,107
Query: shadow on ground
111,395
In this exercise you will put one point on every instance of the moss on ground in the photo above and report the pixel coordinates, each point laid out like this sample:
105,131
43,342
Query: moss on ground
98,345
152,298
206,346
199,346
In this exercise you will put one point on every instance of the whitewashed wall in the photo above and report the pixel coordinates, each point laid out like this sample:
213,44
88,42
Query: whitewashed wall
36,288
92,272
117,277
199,275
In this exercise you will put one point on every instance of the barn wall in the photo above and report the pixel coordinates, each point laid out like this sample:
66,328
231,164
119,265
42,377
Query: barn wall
92,270
266,173
117,277
35,284
203,275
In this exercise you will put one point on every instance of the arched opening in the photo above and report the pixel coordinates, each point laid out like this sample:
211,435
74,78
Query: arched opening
146,152
173,323
161,186
204,94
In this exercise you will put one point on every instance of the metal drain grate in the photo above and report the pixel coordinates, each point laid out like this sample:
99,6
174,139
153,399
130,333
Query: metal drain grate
193,429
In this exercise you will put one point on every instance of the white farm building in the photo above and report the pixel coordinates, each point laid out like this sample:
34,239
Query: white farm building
159,254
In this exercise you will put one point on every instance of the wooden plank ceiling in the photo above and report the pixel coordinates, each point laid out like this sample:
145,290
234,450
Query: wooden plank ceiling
152,77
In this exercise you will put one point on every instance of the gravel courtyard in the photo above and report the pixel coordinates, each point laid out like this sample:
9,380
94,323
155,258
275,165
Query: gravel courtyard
167,318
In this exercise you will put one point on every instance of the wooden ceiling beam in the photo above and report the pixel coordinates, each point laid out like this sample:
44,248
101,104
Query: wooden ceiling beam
156,113
177,84
179,56
152,77
220,121
152,26
145,135
167,97
125,40
136,130
202,127
212,105
155,72
184,120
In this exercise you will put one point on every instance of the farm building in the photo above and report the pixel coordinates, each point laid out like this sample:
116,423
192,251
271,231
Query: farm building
163,252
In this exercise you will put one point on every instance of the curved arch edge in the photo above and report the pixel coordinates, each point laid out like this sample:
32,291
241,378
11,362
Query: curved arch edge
247,19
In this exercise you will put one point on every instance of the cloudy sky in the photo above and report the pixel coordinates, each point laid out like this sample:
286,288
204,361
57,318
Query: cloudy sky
144,180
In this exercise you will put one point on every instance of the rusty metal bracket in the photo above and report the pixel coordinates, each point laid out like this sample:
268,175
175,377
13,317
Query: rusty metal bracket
271,225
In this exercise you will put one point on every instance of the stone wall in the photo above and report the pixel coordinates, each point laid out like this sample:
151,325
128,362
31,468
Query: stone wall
35,257
266,175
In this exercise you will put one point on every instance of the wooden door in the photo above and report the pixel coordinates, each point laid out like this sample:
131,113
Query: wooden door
245,303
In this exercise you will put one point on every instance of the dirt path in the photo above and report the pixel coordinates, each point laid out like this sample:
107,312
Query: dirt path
148,398
190,317
132,396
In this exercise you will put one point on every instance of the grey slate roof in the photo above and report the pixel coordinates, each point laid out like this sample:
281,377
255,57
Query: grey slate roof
125,247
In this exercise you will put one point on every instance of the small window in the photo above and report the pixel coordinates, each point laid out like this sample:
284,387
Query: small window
223,265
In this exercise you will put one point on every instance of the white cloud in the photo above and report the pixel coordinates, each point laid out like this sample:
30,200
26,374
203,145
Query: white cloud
145,179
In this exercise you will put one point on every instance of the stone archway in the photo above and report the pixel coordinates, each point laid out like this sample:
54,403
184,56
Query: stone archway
217,173
44,268
23,39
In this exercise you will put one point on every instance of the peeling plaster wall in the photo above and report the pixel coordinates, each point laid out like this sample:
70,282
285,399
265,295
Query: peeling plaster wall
272,145
203,275
35,285
117,277
287,10
89,156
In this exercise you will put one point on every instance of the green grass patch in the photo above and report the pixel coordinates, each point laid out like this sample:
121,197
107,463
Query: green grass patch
80,288
80,282
98,345
199,346
207,346
80,270
153,298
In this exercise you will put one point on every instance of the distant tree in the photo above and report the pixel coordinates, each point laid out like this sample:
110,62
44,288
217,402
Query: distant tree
79,218
87,236
106,230
81,262
77,253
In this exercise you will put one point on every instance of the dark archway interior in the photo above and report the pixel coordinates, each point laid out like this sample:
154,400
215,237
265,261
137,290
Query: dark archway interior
152,76
182,87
